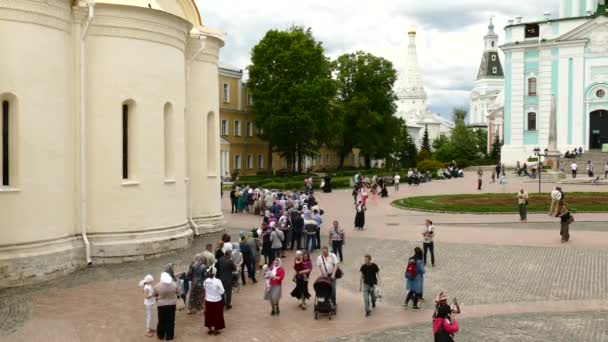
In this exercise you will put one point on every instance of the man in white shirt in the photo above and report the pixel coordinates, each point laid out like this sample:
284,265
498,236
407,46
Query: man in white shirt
328,264
397,179
573,167
427,244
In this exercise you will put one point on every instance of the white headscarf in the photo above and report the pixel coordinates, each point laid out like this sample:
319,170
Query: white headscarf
147,280
165,278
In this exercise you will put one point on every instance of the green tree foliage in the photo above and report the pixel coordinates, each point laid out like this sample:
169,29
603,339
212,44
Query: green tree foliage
405,148
439,142
426,143
290,81
364,106
481,141
463,145
496,147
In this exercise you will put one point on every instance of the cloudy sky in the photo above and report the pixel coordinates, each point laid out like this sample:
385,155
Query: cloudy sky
450,33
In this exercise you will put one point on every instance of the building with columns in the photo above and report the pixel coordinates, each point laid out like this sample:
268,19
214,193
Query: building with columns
565,57
488,84
110,133
412,99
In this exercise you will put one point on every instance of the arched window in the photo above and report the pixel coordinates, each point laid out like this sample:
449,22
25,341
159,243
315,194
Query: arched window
531,121
211,145
532,86
492,43
128,155
169,152
5,143
8,140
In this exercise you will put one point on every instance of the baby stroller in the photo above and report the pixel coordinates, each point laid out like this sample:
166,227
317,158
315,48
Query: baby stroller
323,302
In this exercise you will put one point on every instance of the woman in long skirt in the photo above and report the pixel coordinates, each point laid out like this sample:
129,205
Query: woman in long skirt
359,215
214,305
275,279
197,276
303,267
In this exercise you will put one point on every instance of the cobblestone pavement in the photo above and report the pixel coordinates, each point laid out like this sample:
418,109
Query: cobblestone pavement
562,327
515,280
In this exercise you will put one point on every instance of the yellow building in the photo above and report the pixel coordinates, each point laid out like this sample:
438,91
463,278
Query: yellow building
241,148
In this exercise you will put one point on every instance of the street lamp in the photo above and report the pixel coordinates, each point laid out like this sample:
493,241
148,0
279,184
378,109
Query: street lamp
540,165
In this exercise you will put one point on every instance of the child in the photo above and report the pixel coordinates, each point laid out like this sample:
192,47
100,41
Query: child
149,301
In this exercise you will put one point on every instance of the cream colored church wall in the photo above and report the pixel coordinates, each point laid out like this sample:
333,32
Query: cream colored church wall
34,77
149,74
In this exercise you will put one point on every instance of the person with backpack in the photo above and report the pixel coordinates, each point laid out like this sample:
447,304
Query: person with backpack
444,326
414,273
276,241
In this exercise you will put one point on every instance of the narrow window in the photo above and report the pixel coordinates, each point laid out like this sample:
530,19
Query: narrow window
532,86
531,121
494,70
249,128
125,141
260,161
226,93
532,31
493,57
492,43
250,98
249,161
168,136
237,162
237,128
224,127
5,144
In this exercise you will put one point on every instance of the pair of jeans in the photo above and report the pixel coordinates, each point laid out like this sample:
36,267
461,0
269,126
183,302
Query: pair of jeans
275,253
573,173
233,205
311,241
368,293
250,265
227,296
165,329
336,247
430,246
318,246
296,240
523,211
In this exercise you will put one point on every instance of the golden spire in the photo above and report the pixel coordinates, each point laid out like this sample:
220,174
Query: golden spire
411,30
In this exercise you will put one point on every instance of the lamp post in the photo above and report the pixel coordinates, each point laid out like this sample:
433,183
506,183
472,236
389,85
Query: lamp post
540,165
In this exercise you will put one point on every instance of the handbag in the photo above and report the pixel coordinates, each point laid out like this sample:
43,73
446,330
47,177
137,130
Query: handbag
339,273
377,292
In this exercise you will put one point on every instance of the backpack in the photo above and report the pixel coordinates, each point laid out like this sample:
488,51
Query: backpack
410,270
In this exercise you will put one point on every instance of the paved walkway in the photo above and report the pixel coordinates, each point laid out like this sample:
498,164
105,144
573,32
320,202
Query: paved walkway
515,281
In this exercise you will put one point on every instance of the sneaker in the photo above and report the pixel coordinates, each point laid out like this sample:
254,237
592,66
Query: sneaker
374,304
415,307
367,313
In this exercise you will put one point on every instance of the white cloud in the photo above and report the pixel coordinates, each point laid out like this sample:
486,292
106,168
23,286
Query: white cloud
449,42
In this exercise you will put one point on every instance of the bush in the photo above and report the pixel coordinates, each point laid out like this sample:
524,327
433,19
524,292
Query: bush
430,165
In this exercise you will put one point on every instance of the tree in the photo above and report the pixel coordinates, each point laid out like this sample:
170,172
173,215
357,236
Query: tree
426,142
495,151
290,81
481,141
364,106
463,145
405,148
439,142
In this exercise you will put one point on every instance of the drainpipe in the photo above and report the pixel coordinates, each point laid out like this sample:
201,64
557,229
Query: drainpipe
193,225
83,135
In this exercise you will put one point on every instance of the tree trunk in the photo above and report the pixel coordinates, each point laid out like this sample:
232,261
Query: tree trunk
368,161
341,161
300,161
269,169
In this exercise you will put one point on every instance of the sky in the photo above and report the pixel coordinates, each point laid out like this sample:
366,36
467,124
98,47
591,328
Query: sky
449,40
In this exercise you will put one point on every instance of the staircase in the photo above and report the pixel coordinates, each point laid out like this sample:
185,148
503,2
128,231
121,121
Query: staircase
598,159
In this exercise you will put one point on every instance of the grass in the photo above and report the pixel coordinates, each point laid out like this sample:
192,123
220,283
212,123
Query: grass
503,203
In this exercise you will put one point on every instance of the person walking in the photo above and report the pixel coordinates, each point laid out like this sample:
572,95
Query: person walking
369,280
337,239
605,170
149,301
233,201
566,219
328,264
266,244
302,266
479,178
316,215
225,267
214,305
498,169
573,168
428,245
414,274
556,197
277,273
247,248
276,240
396,180
522,202
166,292
360,215
310,228
589,168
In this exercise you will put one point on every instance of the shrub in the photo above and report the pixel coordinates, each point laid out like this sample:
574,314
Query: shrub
430,165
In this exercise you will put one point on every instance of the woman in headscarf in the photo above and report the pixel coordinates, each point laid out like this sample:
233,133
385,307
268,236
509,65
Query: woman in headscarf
214,305
242,201
197,277
303,267
276,274
166,299
415,282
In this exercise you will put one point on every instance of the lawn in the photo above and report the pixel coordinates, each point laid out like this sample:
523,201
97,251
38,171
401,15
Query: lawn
503,203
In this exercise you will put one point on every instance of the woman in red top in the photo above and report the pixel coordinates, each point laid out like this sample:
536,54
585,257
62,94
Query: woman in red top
277,273
444,325
302,266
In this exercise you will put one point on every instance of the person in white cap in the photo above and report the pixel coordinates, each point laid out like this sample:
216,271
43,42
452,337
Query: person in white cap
149,301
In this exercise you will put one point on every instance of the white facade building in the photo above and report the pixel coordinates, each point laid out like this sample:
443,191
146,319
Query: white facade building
412,103
110,144
489,82
565,58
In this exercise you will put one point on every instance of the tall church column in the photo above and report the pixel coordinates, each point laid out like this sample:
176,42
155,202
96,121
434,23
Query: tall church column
545,93
202,133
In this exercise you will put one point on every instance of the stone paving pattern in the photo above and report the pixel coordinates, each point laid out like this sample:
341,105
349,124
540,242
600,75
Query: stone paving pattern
515,281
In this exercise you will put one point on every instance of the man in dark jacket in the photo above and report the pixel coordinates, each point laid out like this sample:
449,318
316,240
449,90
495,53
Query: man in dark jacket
225,267
233,200
248,260
297,226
